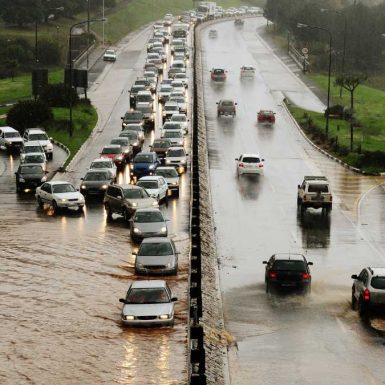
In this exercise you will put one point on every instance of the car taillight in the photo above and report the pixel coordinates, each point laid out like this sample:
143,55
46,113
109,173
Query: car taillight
260,165
240,164
305,276
272,274
366,295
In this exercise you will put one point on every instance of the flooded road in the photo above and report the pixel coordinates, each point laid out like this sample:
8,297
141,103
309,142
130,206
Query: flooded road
285,339
63,274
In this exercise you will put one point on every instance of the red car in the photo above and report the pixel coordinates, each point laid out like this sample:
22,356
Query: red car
114,152
218,74
266,116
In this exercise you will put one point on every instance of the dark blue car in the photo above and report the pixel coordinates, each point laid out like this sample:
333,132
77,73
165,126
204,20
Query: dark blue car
144,163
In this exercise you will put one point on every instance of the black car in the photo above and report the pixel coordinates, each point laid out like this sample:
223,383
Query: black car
30,176
288,272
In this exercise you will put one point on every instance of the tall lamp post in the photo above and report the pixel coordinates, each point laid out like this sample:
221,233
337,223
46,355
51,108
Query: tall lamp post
70,64
344,39
300,25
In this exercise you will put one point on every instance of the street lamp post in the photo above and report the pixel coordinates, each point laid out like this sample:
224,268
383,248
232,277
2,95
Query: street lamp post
300,25
70,65
88,30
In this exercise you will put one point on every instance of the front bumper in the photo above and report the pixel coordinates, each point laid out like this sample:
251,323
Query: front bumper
148,323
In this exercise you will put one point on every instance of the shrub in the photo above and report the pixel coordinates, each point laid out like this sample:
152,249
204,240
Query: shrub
48,53
336,111
58,95
29,113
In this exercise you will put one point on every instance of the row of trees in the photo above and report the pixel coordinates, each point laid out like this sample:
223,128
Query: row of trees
22,12
364,34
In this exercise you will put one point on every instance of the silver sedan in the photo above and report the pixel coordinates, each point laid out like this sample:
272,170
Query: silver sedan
147,223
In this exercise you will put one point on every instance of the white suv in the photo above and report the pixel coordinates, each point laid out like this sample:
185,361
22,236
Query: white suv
10,139
37,134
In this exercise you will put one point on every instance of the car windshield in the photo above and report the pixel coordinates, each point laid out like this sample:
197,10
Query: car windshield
171,107
176,152
33,149
129,134
173,134
37,137
248,159
63,188
151,295
133,115
121,141
171,126
137,193
143,158
218,72
165,89
148,217
111,150
378,282
227,103
167,173
178,99
150,184
137,88
38,158
318,188
161,144
101,165
180,76
11,135
289,265
110,52
156,249
31,169
144,98
179,118
134,127
95,176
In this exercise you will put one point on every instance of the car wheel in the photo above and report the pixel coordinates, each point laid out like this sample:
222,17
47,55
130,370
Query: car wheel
298,202
166,200
302,208
18,188
55,206
267,288
40,202
126,215
80,209
108,211
354,302
362,309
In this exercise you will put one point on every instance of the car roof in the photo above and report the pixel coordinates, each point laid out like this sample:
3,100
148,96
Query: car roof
377,271
289,256
176,148
32,143
57,182
251,155
148,284
96,170
127,186
35,131
102,160
8,129
157,240
147,209
150,177
31,164
112,146
146,153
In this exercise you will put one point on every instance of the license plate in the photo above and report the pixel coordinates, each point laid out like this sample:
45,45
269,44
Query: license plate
288,284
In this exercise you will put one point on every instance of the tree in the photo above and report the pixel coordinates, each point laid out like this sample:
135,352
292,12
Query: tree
21,12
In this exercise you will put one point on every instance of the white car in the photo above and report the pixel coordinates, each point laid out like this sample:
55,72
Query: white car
35,158
164,93
247,71
155,185
170,126
59,194
31,147
171,176
109,55
213,33
174,136
104,164
249,164
182,77
180,100
176,157
178,86
182,120
39,135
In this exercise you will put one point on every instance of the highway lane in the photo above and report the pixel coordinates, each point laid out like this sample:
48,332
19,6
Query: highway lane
62,275
288,339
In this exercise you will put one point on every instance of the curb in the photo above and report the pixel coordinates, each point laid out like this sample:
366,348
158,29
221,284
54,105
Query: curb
66,149
337,160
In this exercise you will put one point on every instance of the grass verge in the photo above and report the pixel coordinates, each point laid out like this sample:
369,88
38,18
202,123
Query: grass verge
84,120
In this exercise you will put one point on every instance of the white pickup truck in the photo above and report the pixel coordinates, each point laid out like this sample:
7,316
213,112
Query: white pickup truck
314,192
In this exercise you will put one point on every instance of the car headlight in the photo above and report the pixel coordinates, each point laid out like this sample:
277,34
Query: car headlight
120,157
181,142
168,161
136,230
164,316
63,200
155,204
129,317
135,144
83,186
175,183
124,124
131,166
21,179
183,161
169,265
104,186
151,166
134,204
163,229
126,151
43,179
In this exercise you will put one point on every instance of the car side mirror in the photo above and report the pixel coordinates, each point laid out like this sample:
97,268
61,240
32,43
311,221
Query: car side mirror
46,172
81,178
236,104
121,117
354,276
310,263
262,160
174,299
122,300
298,186
236,159
135,253
217,103
264,262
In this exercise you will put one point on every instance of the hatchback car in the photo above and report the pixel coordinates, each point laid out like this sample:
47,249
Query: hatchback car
171,176
125,199
133,139
114,152
368,290
144,163
247,71
218,74
156,256
148,303
176,157
249,164
95,182
266,116
147,223
126,146
226,107
59,194
288,271
104,164
155,185
29,176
